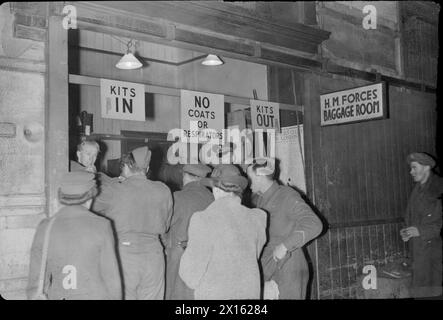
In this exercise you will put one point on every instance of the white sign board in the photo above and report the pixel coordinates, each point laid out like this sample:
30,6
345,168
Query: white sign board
122,100
356,104
265,115
289,151
200,113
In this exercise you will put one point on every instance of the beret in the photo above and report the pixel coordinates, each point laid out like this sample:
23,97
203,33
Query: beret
422,158
199,170
142,157
77,183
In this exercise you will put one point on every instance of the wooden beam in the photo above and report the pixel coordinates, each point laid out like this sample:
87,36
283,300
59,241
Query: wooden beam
57,153
228,19
213,42
98,18
175,92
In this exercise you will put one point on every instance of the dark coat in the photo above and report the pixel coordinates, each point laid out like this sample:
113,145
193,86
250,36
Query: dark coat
194,197
424,211
84,241
293,223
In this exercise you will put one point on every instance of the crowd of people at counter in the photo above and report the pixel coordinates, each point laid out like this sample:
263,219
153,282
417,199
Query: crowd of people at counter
131,238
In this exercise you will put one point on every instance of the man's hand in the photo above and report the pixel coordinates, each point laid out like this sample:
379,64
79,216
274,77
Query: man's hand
409,232
270,291
279,252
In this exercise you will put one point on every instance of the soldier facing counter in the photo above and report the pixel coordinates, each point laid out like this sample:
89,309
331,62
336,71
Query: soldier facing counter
81,261
292,224
141,210
194,197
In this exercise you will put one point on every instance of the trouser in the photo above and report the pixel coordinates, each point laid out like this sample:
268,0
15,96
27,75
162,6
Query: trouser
143,272
176,288
291,274
427,269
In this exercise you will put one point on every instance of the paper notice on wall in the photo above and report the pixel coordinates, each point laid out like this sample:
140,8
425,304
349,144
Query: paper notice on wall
288,152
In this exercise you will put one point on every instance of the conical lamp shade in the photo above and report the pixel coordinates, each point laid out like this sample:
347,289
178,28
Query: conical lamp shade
129,61
212,60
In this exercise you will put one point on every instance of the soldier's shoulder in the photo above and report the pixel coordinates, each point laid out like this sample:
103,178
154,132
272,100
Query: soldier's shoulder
286,191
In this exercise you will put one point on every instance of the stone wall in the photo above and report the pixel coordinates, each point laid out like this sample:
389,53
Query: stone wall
23,29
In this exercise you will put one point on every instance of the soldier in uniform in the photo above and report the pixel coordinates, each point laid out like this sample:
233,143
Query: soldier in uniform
194,197
141,210
292,224
225,242
424,220
81,258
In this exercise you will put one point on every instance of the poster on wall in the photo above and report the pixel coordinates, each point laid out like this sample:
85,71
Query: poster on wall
289,152
265,115
354,105
122,100
202,115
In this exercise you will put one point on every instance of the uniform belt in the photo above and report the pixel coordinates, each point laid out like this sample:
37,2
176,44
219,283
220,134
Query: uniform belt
134,239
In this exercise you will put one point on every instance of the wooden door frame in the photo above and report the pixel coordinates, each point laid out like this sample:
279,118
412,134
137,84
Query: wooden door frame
57,133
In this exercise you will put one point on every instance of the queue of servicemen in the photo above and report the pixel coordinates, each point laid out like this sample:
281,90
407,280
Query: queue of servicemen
130,238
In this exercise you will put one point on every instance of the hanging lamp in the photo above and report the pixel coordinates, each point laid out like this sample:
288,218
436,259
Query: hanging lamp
212,60
129,61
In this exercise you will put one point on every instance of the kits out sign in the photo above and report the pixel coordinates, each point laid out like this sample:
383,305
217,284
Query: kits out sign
265,115
122,100
353,105
202,115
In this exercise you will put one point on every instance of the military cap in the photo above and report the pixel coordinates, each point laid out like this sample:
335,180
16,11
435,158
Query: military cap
422,158
142,157
77,183
199,170
268,169
226,173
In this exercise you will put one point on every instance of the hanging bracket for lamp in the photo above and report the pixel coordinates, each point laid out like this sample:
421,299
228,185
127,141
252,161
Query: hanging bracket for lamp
129,61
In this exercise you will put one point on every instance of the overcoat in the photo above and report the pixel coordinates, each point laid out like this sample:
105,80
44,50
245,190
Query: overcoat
424,211
293,223
81,262
194,197
224,245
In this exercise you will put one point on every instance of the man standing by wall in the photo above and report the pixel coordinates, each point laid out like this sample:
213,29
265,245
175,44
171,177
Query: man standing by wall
292,224
141,210
194,197
424,220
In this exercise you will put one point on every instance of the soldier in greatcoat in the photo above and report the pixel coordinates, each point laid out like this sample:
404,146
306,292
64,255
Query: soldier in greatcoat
423,226
292,224
81,260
